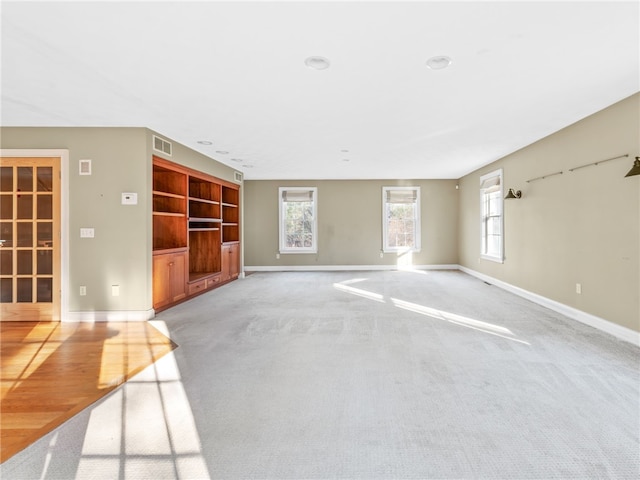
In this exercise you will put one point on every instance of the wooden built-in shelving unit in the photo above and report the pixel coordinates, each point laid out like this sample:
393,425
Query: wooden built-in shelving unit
196,232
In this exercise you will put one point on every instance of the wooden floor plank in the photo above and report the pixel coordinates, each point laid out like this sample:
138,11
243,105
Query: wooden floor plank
50,371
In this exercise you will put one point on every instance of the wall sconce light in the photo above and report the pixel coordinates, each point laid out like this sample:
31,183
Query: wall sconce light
635,170
513,194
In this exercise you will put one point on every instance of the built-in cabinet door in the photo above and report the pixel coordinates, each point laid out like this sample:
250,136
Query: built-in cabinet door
230,261
169,278
234,260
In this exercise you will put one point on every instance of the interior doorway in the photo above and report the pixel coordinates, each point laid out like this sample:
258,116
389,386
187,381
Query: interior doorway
30,238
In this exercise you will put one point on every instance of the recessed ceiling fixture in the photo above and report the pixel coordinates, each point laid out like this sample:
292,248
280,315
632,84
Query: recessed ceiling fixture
239,160
346,160
345,151
205,142
247,166
222,152
317,63
439,62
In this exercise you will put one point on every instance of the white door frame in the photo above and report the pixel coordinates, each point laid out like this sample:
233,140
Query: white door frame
63,154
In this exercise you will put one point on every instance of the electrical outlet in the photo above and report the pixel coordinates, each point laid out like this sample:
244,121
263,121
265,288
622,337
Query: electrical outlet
578,288
87,233
83,290
115,290
381,255
277,256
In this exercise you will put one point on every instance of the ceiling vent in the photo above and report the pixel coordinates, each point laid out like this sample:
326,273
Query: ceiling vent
161,145
238,176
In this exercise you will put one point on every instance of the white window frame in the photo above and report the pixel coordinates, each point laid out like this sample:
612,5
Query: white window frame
282,224
385,224
489,178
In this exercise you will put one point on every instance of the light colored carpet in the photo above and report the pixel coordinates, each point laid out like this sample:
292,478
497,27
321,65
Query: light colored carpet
362,375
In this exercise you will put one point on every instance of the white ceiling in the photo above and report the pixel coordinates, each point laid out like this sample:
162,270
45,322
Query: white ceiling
233,73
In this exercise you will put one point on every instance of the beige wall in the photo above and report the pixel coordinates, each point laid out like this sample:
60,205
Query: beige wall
120,253
578,227
350,223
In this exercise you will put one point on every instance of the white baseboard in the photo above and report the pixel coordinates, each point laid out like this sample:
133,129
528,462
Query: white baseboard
611,328
340,268
110,316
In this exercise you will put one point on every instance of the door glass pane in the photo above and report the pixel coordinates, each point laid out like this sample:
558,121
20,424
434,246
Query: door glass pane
6,234
25,290
6,207
25,234
45,234
25,206
25,262
45,289
25,179
6,290
45,262
6,179
45,179
45,206
6,262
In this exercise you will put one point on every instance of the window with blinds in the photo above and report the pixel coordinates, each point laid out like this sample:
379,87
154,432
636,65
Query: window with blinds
298,219
400,219
491,200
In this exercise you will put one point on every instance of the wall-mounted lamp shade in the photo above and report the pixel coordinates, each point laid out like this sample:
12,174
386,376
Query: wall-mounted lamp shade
635,170
513,194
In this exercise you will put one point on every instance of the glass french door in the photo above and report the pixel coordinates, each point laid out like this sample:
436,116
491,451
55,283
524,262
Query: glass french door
30,239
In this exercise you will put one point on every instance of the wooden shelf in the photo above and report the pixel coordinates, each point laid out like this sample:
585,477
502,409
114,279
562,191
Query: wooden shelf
168,214
169,195
205,219
202,200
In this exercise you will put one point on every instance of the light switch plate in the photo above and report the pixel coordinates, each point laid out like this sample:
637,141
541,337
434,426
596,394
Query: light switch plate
87,233
129,198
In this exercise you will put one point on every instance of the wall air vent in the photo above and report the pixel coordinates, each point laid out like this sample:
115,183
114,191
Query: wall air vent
238,177
161,145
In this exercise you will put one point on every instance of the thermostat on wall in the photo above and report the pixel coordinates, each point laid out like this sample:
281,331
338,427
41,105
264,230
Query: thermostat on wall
129,198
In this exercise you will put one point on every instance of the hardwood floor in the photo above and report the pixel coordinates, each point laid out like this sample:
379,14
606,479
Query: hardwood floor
50,371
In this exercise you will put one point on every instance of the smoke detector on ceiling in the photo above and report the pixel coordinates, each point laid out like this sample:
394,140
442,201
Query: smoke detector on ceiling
317,63
439,62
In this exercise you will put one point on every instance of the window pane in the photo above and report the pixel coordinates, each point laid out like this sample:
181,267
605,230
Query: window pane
401,224
45,289
25,290
6,234
493,245
6,290
25,179
6,262
6,179
45,234
45,207
6,207
45,262
25,262
25,234
25,207
299,224
493,226
45,179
